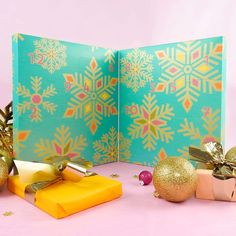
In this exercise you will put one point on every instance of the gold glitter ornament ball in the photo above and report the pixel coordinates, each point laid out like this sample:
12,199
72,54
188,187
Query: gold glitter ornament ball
174,179
231,154
3,172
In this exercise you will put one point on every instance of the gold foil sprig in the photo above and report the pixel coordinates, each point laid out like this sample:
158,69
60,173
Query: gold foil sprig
223,167
6,135
41,175
61,161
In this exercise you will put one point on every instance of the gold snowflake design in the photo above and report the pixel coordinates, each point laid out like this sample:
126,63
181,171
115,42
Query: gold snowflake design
16,37
50,54
211,120
151,122
92,96
106,149
124,148
189,70
109,56
136,69
36,99
63,145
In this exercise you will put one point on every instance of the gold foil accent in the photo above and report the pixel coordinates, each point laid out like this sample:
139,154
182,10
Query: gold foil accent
6,135
41,175
156,194
213,156
8,213
82,170
114,176
61,161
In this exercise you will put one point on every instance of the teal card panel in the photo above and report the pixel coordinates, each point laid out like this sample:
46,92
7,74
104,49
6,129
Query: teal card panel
65,100
171,97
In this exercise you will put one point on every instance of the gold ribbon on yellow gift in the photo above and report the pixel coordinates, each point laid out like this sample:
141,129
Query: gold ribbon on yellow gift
62,187
38,176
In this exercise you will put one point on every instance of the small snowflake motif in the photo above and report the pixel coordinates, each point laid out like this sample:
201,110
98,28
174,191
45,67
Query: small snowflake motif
50,54
106,148
36,99
136,69
151,122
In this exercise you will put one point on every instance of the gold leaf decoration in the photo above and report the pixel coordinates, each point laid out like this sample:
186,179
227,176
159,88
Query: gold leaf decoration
6,134
114,176
36,99
8,213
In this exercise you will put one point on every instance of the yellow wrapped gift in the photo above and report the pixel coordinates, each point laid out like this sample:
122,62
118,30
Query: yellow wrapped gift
67,195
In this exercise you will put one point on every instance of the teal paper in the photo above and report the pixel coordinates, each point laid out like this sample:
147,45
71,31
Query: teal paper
171,98
66,99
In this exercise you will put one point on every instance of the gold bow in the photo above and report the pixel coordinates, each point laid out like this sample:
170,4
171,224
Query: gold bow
214,158
37,175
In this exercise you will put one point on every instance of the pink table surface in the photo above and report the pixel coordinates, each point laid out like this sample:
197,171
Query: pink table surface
136,213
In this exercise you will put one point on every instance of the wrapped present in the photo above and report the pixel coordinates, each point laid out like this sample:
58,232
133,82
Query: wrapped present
61,191
212,188
218,180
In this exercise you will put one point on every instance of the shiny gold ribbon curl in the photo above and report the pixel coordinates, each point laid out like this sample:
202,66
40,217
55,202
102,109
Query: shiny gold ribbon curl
214,159
38,175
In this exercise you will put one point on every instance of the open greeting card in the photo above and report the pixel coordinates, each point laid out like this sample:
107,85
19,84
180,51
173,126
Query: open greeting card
138,105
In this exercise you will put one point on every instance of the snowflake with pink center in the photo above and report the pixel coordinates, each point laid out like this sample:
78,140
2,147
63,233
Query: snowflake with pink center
35,99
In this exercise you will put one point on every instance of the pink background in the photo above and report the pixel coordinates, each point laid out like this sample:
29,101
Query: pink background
122,24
